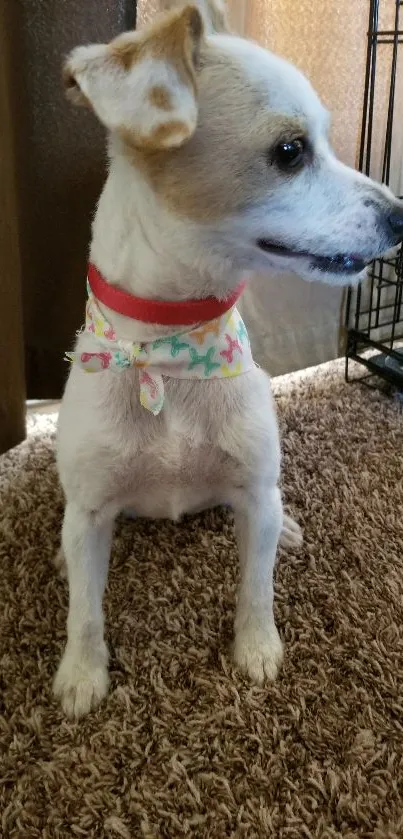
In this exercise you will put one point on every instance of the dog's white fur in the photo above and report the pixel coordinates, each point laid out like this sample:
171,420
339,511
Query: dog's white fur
216,442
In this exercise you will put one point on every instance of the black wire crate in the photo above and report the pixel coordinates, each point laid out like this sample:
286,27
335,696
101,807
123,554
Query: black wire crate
374,311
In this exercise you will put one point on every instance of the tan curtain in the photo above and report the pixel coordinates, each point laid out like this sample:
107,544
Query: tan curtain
294,324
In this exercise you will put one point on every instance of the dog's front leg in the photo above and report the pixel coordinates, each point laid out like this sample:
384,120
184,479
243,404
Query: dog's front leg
82,678
258,519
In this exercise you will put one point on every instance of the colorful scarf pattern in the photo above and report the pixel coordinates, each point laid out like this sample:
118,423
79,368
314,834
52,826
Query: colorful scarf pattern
217,349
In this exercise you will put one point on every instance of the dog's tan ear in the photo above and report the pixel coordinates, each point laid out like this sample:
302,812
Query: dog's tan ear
213,13
143,85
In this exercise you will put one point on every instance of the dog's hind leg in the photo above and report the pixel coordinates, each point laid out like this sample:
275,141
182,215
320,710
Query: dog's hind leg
258,519
81,681
59,561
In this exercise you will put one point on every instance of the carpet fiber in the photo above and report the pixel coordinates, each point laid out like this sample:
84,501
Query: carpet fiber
184,745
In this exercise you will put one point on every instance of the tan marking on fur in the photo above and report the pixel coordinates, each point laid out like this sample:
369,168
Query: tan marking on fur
125,50
179,42
166,130
174,37
160,97
225,164
160,137
163,137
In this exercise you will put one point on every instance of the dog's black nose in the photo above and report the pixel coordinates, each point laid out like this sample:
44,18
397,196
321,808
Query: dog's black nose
396,224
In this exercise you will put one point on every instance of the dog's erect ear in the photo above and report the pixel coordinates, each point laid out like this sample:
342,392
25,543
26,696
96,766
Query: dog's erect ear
213,13
143,85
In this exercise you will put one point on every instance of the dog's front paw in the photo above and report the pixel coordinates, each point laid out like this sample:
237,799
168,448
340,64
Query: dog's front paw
258,652
81,684
291,534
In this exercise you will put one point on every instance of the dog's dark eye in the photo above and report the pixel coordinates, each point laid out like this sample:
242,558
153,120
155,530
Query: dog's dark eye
290,155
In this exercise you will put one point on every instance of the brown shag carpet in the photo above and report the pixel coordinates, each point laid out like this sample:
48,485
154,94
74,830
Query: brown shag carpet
184,746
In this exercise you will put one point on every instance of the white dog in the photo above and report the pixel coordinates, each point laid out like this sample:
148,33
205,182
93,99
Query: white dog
219,167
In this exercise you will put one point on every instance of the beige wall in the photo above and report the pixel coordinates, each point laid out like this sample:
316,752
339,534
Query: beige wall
327,41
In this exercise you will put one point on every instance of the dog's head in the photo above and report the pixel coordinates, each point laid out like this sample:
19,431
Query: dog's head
233,141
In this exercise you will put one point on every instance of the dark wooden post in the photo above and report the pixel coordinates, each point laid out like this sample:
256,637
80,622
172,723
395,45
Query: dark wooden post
12,377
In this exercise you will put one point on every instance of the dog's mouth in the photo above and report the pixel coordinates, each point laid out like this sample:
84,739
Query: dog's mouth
340,263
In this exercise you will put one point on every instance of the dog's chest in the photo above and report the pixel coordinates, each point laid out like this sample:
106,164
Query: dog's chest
174,477
210,439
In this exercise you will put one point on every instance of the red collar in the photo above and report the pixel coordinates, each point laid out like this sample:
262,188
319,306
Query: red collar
166,313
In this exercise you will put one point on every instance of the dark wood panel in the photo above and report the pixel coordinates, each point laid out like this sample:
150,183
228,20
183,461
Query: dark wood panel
60,154
12,380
